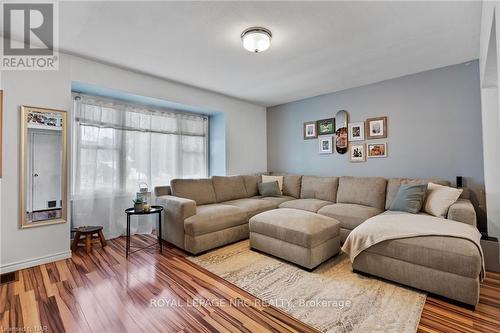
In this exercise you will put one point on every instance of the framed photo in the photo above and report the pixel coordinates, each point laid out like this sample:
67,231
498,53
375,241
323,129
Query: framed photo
356,131
376,128
377,150
310,130
326,126
357,152
325,144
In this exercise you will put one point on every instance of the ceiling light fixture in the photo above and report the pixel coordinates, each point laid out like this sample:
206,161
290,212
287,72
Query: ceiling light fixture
256,39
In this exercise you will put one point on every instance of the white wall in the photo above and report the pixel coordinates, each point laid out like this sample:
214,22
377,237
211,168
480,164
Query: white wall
31,246
488,61
245,132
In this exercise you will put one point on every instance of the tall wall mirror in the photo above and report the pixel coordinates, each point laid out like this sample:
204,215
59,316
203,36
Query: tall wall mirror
43,176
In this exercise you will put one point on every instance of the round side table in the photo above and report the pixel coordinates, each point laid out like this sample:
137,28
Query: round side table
130,212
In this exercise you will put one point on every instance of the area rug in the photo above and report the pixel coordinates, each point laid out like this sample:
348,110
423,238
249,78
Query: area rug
331,298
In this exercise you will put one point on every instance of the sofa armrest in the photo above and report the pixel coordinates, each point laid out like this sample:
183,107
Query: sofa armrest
176,210
162,190
462,211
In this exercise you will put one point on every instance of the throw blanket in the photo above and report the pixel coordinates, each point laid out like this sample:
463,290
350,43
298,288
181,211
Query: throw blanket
397,225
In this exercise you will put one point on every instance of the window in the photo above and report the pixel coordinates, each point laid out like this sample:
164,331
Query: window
117,146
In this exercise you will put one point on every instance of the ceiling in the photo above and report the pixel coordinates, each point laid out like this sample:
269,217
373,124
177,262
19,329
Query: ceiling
317,47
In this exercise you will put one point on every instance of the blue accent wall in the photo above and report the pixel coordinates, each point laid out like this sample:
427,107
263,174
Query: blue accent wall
434,127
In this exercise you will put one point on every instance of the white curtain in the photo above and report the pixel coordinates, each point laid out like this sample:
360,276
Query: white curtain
117,146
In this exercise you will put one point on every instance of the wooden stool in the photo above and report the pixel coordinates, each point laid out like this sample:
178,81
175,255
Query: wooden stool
88,234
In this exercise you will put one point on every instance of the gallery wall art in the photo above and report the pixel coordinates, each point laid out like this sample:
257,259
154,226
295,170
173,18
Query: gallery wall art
357,152
349,137
356,131
326,126
341,141
376,128
325,144
310,130
377,150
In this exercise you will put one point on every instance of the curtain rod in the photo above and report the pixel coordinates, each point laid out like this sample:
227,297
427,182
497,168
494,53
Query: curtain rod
77,96
133,129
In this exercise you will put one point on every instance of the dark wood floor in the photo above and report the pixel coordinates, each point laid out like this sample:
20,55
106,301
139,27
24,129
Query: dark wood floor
104,292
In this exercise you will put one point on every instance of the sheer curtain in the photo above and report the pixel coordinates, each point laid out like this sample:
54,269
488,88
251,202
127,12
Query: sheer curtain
117,146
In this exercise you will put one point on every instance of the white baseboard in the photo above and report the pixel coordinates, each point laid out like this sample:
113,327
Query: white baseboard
15,266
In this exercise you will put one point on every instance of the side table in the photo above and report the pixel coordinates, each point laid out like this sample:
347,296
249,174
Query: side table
130,212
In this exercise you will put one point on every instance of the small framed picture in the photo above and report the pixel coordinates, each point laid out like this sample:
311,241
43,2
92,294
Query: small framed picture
376,128
325,144
357,152
377,150
326,126
356,131
310,130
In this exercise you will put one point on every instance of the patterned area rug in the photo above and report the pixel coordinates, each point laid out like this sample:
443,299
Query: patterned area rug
331,298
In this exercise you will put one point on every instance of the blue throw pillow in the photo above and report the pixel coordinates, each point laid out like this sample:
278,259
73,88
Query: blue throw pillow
409,198
269,189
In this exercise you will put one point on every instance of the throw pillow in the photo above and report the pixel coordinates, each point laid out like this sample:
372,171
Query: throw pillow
269,189
439,198
409,198
279,179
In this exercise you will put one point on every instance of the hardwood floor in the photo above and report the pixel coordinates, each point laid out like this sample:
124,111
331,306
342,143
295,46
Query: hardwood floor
104,292
441,316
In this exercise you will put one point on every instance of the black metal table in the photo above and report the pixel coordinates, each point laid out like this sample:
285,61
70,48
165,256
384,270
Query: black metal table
153,210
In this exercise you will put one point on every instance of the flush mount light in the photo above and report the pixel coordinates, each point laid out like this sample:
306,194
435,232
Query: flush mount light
256,39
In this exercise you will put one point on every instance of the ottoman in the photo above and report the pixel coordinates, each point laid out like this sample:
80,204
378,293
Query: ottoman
304,238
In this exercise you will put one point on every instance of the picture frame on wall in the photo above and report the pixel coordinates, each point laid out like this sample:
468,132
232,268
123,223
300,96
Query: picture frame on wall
376,128
310,130
377,150
356,131
357,152
325,144
326,126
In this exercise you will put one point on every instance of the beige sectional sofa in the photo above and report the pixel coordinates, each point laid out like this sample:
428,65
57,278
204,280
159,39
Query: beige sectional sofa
202,214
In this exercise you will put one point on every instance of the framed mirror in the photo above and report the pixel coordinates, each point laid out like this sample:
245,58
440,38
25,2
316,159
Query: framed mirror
43,165
341,140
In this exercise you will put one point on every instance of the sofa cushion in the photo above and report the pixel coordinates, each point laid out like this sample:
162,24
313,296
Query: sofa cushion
269,189
199,190
291,184
278,200
453,255
214,217
312,205
367,191
229,188
295,226
409,198
252,206
393,185
251,183
439,198
349,215
462,211
322,188
279,179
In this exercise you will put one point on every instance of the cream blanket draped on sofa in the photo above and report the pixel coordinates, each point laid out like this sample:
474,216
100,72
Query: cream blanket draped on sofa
397,225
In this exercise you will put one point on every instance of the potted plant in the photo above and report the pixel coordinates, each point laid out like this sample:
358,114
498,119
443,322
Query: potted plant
138,205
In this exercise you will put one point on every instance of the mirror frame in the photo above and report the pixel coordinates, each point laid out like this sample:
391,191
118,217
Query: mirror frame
23,169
